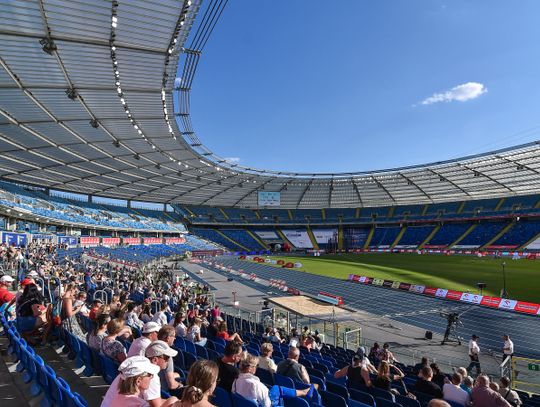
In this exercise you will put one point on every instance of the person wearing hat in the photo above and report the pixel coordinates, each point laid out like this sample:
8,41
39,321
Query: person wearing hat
474,351
149,334
158,353
358,371
5,295
135,375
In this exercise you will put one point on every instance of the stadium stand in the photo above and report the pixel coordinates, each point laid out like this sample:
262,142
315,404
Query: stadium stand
482,234
414,236
519,234
448,234
243,238
384,236
35,202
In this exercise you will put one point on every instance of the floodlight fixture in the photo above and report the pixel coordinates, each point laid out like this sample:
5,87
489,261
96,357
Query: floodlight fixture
47,45
71,93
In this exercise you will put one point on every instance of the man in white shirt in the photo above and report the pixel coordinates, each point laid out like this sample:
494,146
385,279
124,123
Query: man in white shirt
508,348
149,334
474,351
158,353
250,386
160,317
453,391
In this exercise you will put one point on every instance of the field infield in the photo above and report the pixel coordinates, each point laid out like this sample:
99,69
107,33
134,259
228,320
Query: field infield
451,272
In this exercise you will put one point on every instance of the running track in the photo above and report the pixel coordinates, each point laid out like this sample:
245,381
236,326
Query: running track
418,310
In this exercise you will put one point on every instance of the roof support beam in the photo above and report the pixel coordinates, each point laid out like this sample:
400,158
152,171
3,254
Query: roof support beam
304,193
411,182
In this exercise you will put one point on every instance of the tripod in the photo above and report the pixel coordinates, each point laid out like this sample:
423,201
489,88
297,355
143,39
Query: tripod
451,335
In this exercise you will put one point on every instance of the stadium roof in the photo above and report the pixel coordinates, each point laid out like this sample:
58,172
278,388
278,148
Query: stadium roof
87,92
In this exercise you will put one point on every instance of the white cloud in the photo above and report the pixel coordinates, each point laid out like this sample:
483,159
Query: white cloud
461,93
233,159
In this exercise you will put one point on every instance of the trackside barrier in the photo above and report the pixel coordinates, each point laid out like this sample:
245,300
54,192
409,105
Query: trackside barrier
482,300
526,374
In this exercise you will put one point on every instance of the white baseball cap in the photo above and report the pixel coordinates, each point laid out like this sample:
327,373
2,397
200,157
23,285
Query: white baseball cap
158,348
136,366
33,273
151,327
6,279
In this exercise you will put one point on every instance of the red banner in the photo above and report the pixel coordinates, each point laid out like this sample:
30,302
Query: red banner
430,291
89,241
527,307
175,240
152,240
131,240
490,301
110,241
404,286
454,295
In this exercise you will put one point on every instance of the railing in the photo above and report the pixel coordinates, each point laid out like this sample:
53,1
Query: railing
102,296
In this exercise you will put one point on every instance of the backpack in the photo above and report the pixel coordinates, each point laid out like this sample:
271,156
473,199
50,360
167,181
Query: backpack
56,317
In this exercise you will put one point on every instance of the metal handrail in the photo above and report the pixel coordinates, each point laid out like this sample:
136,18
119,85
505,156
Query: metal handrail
102,296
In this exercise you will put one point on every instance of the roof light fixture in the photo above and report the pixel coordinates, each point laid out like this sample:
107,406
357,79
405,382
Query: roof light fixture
47,45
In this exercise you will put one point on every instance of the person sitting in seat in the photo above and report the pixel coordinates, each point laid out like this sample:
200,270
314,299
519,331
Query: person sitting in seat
201,383
149,335
158,353
194,332
94,337
250,387
425,385
178,324
136,374
266,362
358,371
222,333
110,346
31,310
453,391
291,368
228,371
386,374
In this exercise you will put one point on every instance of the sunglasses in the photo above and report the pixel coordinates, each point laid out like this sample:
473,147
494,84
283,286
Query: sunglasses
165,357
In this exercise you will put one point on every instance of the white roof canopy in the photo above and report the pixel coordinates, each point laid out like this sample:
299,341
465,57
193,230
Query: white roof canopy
86,105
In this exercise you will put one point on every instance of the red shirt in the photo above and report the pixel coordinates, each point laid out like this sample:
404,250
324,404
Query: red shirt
92,314
224,335
5,295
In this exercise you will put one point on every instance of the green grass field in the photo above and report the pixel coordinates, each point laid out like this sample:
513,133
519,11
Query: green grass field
451,272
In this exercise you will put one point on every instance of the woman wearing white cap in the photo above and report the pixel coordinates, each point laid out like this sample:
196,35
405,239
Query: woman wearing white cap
135,375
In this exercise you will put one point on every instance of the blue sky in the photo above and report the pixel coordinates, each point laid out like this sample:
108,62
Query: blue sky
354,85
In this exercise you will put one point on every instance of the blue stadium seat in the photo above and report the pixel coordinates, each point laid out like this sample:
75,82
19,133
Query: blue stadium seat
319,381
333,400
189,359
266,376
386,403
382,394
213,355
110,368
283,381
239,401
295,402
201,351
221,398
338,389
407,401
